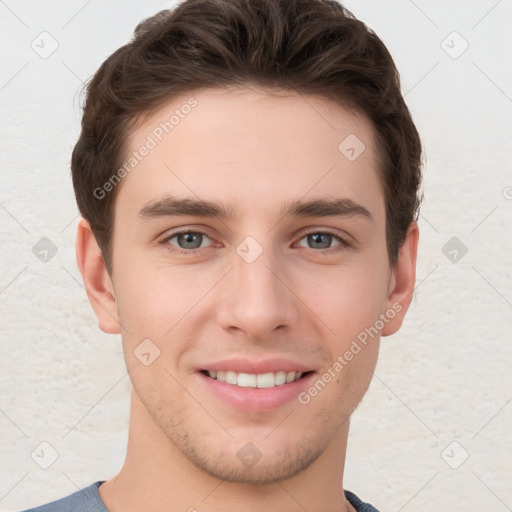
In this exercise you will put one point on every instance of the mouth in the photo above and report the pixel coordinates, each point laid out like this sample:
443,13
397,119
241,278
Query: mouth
258,381
255,392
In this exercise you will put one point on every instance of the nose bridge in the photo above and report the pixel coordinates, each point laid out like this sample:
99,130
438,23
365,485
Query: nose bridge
259,301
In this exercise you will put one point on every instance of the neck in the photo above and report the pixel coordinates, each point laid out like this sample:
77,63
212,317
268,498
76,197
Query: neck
157,477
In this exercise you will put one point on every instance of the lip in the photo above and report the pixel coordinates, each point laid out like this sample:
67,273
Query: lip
243,365
255,399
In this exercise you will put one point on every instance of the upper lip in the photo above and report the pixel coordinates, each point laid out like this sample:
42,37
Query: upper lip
244,365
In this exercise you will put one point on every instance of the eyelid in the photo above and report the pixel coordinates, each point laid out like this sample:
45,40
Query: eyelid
168,236
310,231
325,231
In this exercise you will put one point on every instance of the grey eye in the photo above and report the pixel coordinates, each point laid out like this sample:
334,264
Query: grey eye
319,240
189,239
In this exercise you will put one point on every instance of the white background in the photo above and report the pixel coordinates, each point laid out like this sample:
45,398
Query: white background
444,378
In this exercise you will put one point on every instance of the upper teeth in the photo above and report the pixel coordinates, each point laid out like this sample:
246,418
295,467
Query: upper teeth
261,380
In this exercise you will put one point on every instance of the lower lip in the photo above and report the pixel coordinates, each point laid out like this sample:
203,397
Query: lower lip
256,399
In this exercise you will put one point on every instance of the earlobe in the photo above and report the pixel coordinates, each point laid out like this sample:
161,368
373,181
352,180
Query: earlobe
98,284
402,281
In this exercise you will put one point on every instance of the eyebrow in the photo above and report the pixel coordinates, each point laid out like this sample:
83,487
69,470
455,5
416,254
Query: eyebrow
174,206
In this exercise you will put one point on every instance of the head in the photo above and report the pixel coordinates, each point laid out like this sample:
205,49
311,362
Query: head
253,108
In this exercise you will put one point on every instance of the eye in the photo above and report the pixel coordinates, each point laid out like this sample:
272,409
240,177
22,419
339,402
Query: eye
322,241
186,241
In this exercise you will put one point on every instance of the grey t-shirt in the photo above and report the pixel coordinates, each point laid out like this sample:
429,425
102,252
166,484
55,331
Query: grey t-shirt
89,500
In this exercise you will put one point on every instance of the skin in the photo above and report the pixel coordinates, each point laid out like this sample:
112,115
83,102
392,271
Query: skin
256,150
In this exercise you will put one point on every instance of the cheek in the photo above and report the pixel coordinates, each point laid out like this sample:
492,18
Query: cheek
154,298
349,303
347,300
164,305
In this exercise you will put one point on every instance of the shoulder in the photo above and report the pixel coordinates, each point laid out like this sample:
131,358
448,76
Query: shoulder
85,500
359,505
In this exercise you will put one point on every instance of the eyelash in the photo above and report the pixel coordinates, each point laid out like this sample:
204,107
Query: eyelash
188,252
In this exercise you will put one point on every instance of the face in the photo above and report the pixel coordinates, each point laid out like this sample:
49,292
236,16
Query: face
251,302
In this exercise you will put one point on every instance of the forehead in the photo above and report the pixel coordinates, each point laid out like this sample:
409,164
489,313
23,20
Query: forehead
251,147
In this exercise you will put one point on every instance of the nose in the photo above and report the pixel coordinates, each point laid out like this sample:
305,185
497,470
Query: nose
259,299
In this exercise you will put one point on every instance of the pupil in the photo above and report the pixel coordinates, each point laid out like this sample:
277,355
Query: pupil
317,238
189,238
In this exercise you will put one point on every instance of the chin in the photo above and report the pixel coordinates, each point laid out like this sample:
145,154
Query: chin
250,466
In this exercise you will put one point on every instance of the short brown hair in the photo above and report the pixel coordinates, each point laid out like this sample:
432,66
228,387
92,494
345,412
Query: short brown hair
308,46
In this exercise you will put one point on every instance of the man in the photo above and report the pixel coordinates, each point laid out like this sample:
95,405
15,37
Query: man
248,177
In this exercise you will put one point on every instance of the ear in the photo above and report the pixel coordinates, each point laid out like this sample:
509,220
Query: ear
403,279
98,284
